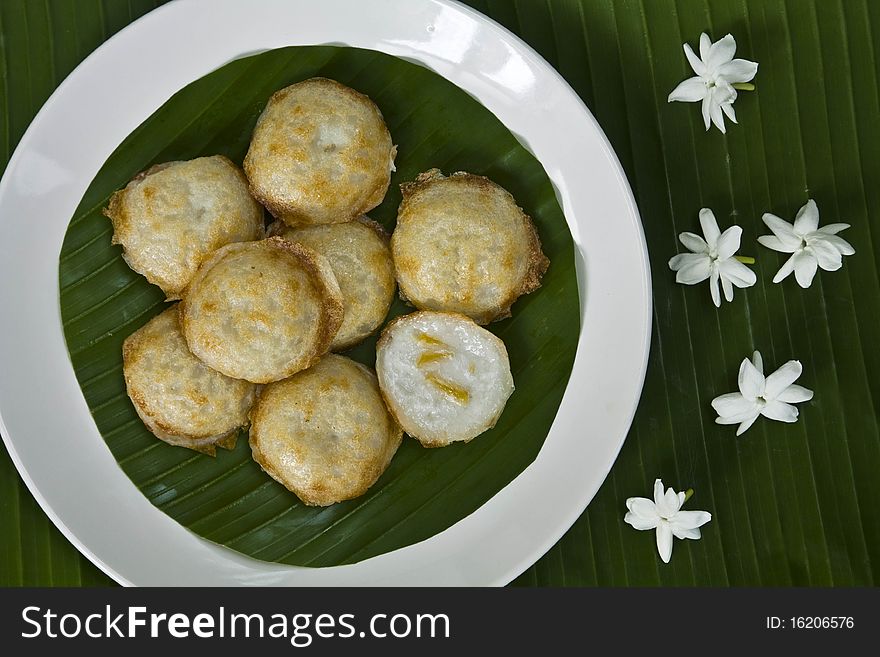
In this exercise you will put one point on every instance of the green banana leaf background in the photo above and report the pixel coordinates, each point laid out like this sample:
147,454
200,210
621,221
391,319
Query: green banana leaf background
791,504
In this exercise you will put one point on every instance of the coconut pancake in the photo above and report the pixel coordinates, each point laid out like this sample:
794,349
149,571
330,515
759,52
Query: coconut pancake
261,311
359,255
180,399
324,433
320,153
445,379
463,245
171,216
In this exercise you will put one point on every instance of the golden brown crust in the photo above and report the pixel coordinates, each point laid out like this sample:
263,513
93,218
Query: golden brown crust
287,167
379,229
407,189
115,212
326,295
538,262
358,253
152,218
288,424
207,446
442,273
277,228
334,310
147,347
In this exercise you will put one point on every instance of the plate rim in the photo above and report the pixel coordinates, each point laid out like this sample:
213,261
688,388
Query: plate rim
517,566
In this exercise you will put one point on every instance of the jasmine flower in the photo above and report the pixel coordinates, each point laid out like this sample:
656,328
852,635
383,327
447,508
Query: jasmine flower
718,75
714,258
770,396
811,247
665,515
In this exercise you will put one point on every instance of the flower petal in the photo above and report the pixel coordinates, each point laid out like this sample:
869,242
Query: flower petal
727,287
668,504
844,247
780,411
683,260
692,268
795,394
746,424
728,110
758,362
695,62
773,242
728,242
689,91
664,541
807,219
782,229
805,265
690,519
716,115
723,93
713,288
721,52
642,507
750,380
833,229
705,45
737,273
738,70
738,419
640,523
782,378
672,502
786,269
828,257
680,533
693,242
642,513
733,404
705,109
658,491
710,227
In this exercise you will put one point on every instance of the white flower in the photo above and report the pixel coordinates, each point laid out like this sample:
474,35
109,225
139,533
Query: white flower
712,258
665,515
810,246
717,73
770,396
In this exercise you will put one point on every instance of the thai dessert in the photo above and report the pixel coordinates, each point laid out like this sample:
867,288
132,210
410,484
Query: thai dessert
261,311
173,215
445,379
324,433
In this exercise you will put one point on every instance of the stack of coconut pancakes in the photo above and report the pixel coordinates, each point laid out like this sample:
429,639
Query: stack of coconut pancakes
263,311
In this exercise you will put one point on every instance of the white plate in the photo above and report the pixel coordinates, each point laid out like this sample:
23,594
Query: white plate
45,421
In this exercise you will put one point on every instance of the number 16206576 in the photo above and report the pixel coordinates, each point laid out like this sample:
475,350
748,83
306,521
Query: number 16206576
810,623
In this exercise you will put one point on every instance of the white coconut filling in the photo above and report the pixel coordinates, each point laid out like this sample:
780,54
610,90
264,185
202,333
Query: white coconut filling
447,378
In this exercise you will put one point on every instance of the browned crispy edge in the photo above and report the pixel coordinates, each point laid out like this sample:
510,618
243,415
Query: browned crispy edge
538,262
286,212
308,496
200,443
278,227
319,273
117,215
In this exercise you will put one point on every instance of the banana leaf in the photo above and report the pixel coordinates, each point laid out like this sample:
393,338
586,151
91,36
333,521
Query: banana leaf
228,499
